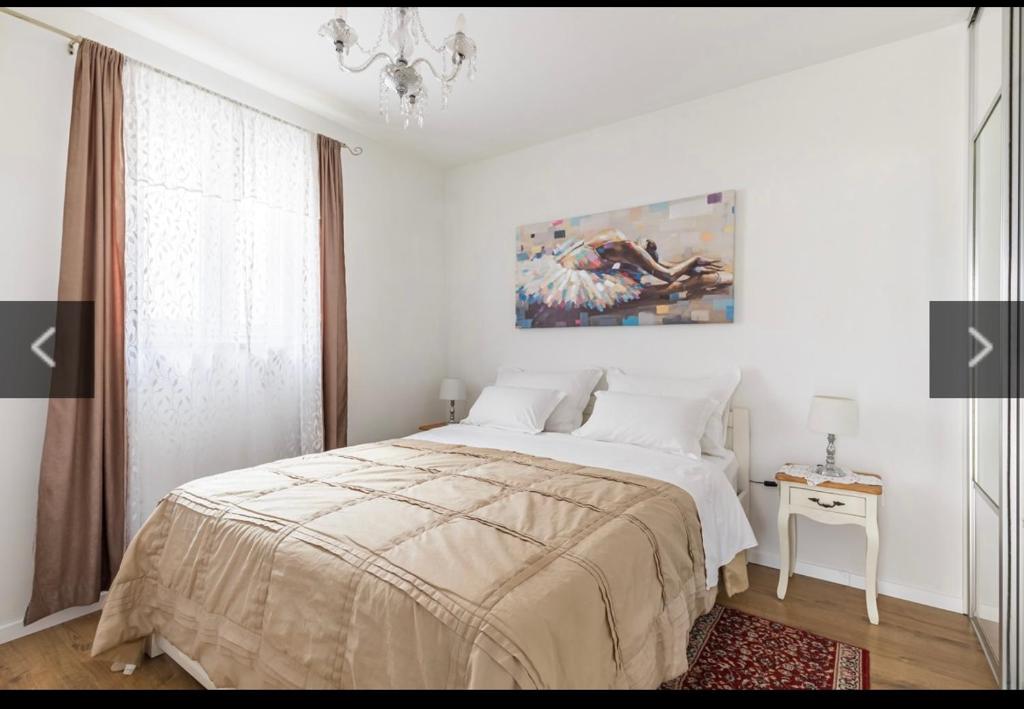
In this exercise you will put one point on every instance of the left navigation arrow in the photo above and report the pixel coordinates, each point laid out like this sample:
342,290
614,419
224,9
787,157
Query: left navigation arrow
39,352
46,349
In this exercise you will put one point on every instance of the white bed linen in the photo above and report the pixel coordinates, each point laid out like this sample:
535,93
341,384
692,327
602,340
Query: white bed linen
726,461
725,528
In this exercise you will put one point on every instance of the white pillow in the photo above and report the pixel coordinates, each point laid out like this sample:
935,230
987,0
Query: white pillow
513,408
577,385
670,423
718,387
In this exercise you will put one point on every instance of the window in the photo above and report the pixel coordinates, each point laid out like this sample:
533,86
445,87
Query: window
222,287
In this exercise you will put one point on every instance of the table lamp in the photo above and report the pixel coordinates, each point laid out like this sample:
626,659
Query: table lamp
452,390
831,415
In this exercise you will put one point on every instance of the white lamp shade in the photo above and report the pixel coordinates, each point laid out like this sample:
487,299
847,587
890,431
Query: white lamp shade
453,390
832,414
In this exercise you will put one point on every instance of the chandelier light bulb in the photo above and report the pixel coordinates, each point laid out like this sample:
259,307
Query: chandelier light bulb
460,23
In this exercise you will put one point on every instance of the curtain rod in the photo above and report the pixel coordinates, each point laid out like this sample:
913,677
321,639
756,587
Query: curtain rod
75,39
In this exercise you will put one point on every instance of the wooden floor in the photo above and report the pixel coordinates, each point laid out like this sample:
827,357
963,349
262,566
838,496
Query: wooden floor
913,645
58,658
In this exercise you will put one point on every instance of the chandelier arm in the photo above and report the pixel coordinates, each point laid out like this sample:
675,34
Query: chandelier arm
365,65
440,77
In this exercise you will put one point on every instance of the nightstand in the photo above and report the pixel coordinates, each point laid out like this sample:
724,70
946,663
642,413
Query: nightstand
436,424
829,503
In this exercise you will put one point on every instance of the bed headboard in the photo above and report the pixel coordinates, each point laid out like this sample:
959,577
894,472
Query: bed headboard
737,439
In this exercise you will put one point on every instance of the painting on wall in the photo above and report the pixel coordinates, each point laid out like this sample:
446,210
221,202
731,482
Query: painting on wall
666,263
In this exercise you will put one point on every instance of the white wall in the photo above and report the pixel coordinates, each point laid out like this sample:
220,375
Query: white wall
393,218
34,125
850,218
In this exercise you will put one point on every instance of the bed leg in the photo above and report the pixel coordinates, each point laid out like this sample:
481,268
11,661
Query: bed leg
153,648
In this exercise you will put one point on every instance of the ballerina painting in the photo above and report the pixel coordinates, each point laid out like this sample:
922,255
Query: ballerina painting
665,263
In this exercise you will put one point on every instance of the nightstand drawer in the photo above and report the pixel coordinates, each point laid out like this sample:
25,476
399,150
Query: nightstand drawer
822,501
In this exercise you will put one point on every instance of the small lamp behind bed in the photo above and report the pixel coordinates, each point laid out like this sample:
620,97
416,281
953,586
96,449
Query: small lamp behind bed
452,390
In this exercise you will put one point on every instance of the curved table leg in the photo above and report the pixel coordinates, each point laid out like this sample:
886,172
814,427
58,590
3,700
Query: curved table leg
792,544
871,567
785,563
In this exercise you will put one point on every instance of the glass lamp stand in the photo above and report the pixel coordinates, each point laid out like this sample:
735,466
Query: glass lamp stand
829,468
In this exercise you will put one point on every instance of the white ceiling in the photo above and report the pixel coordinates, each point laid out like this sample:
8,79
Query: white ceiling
543,72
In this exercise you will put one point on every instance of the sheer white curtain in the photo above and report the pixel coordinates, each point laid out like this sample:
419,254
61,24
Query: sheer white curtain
222,287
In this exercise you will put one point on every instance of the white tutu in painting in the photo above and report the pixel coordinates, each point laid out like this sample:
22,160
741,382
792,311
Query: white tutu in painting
547,281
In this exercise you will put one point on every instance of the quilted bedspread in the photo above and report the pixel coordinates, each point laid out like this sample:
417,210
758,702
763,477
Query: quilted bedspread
417,564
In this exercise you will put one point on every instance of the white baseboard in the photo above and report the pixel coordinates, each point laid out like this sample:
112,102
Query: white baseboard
14,629
886,588
987,612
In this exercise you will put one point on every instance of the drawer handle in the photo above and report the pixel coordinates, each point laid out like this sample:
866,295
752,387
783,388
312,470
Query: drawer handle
819,503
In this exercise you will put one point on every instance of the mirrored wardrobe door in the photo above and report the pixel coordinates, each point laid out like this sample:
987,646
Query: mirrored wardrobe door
1013,520
990,267
988,414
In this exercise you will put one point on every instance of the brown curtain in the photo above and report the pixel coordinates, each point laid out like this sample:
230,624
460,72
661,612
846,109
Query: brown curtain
80,535
332,295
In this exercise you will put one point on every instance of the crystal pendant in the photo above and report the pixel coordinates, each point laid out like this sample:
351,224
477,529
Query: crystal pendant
382,96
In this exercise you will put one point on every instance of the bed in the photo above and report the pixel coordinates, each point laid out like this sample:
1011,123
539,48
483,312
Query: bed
454,558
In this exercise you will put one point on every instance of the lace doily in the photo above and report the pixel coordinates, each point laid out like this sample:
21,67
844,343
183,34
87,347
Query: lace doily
807,472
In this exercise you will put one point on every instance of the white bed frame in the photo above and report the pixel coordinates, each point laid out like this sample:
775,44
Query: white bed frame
737,439
157,645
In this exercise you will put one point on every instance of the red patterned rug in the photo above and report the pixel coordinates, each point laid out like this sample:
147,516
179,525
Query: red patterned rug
730,649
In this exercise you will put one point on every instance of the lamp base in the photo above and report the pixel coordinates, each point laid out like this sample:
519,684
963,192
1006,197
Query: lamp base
830,470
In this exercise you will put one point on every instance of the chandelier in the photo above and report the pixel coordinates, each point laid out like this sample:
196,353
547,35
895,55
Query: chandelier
401,73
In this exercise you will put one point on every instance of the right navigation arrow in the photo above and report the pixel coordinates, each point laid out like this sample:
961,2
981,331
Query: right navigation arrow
986,347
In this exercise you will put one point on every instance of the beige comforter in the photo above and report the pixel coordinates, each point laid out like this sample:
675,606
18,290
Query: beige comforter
418,564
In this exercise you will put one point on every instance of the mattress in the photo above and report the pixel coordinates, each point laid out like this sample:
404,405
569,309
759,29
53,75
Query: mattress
725,462
711,481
